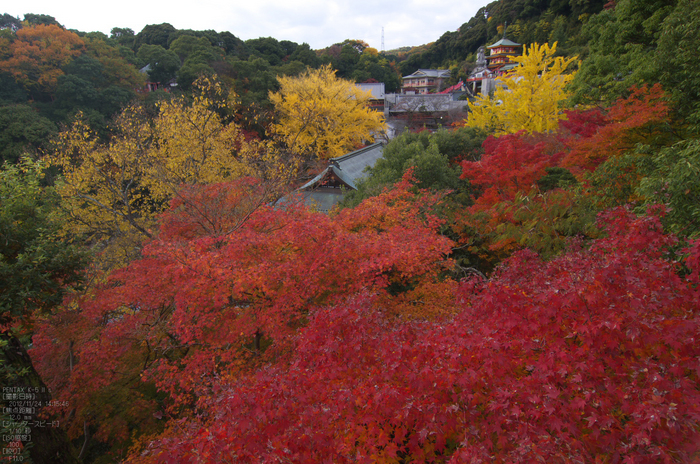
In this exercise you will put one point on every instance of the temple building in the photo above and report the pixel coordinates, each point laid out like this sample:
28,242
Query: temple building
498,62
329,187
500,55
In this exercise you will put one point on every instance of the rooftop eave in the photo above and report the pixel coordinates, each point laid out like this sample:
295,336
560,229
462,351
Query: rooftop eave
504,42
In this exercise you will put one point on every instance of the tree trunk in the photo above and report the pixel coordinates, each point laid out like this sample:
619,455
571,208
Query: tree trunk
50,445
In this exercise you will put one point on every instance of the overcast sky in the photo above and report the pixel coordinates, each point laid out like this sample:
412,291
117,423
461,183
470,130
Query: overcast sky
319,23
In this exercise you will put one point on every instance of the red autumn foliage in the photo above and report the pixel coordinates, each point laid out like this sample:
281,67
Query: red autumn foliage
223,289
629,121
583,123
510,210
592,357
511,163
267,335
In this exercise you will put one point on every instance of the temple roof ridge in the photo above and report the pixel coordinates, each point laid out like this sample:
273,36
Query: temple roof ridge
504,42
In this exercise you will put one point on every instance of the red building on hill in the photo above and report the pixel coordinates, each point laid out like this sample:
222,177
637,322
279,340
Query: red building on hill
500,55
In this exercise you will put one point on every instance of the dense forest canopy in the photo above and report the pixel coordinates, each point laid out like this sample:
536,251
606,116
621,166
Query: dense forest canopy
521,286
98,75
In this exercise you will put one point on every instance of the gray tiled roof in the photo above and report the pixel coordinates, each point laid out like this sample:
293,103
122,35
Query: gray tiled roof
430,73
352,166
348,168
322,201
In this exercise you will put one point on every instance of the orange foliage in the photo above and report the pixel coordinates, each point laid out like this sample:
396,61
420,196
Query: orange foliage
37,54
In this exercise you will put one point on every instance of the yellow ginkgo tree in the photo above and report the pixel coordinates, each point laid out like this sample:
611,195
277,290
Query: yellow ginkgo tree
528,97
319,114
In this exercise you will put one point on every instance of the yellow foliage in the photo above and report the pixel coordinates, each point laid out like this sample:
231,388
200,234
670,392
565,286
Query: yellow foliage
114,191
322,115
531,97
192,146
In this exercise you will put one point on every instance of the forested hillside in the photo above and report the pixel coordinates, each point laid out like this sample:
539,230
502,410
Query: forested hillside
49,74
523,286
98,75
524,21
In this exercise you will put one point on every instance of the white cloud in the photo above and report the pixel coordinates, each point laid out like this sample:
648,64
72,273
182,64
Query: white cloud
319,23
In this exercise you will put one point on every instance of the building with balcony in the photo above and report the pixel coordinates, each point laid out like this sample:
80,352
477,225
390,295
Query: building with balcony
482,79
425,81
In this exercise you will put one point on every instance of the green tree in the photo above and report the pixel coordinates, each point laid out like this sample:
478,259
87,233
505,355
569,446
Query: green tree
155,34
163,64
100,82
74,93
123,35
675,182
119,64
307,56
267,48
678,68
196,54
433,158
10,91
187,45
40,19
622,43
8,21
35,263
371,65
22,131
347,61
229,43
253,80
36,267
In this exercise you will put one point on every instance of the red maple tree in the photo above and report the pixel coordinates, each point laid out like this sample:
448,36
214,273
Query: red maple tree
591,357
223,290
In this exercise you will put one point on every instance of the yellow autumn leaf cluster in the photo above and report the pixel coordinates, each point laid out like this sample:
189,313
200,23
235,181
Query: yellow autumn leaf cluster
321,115
192,146
116,189
528,97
